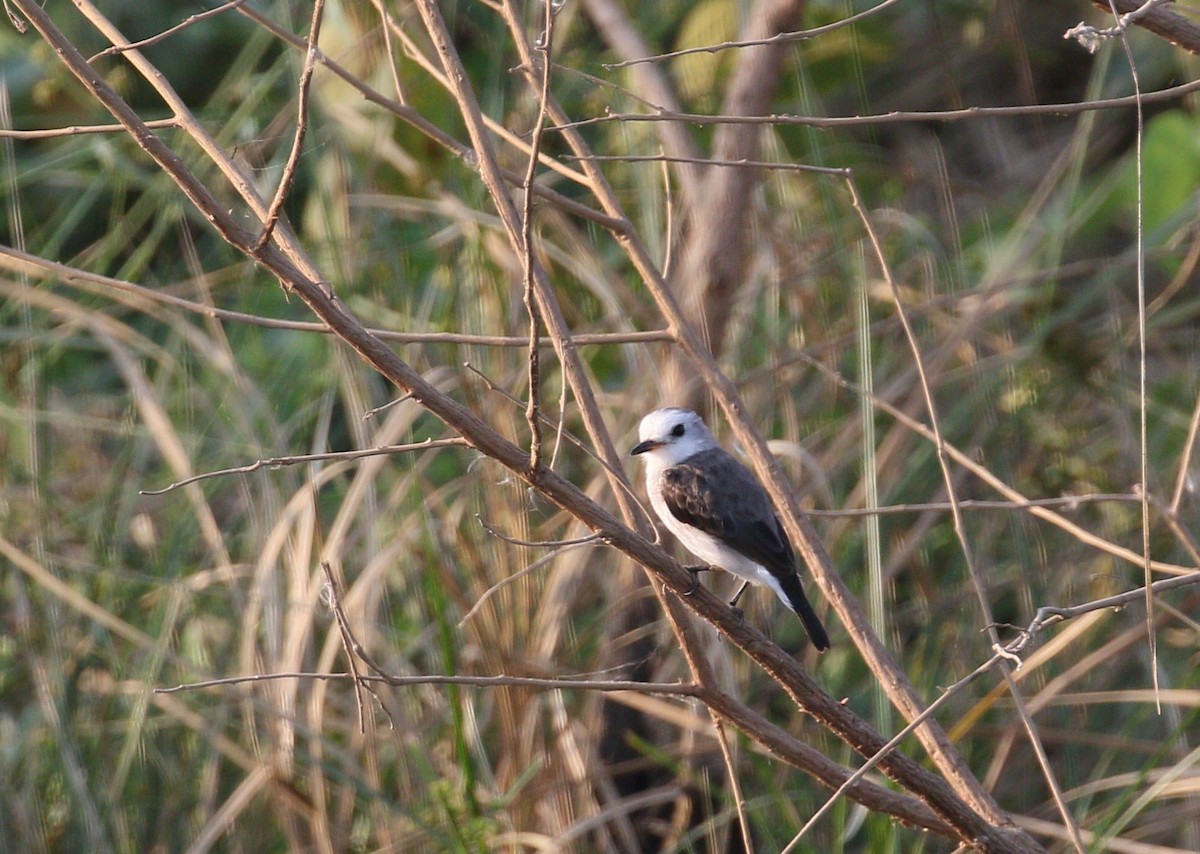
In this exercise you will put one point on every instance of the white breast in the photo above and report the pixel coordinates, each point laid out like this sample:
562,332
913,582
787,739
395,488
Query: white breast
707,548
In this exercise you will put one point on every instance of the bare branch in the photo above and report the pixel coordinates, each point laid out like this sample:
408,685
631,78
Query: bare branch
544,46
963,459
1072,108
349,642
1048,615
76,130
534,544
293,159
338,456
778,38
964,544
709,161
285,259
1160,19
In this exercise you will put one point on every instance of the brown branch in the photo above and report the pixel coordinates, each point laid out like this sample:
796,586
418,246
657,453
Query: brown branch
293,160
612,20
294,271
964,543
75,130
891,676
545,44
534,544
339,456
778,38
191,20
1161,20
1171,93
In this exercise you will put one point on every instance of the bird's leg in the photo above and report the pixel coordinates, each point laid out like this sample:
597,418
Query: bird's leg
695,570
741,615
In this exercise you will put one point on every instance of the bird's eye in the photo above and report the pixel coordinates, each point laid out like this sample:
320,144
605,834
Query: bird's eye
677,430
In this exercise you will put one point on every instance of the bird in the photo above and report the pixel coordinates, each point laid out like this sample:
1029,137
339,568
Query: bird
719,511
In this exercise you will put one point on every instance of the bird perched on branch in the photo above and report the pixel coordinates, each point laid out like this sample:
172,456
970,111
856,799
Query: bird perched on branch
720,512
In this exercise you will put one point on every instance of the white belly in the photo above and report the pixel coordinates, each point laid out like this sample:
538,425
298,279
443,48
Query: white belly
709,549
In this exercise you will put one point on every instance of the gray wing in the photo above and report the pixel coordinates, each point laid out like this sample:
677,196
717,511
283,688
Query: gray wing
715,493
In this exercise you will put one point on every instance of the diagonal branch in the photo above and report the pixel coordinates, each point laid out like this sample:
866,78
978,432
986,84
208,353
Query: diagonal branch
295,272
891,676
293,159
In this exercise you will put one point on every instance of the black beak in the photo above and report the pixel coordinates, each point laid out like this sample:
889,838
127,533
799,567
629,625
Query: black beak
642,447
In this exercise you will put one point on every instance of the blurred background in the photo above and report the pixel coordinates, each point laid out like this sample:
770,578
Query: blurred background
1013,242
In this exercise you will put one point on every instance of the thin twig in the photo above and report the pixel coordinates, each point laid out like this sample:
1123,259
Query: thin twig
384,407
735,784
892,744
385,18
1048,615
1072,108
681,689
959,526
167,33
293,160
1070,502
543,47
534,544
519,574
1140,242
343,624
340,456
839,171
75,130
779,38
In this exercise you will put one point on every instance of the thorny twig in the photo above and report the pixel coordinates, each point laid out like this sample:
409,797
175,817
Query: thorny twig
293,161
300,459
535,319
964,544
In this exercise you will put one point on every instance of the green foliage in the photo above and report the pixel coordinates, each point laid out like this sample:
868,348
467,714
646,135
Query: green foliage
1170,174
1012,245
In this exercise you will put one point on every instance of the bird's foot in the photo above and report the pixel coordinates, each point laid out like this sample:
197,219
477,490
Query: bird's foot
695,571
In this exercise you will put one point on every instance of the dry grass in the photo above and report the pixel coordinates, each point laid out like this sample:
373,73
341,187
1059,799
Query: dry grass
1012,256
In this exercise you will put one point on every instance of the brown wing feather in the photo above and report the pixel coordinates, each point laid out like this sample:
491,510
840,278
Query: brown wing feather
715,493
712,481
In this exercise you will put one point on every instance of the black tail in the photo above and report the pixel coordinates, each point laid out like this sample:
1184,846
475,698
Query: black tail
799,602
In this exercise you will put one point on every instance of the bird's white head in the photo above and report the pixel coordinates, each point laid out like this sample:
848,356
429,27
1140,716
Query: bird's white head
672,435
